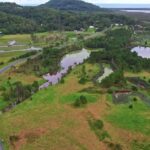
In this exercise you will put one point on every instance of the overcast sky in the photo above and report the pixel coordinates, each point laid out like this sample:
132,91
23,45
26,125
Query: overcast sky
35,2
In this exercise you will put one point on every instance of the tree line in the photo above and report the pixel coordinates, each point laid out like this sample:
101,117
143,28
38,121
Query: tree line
18,19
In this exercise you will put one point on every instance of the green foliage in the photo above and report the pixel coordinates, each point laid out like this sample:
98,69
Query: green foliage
71,98
83,80
97,126
116,78
24,55
81,101
98,42
17,92
117,51
15,24
114,146
131,119
18,19
139,145
74,5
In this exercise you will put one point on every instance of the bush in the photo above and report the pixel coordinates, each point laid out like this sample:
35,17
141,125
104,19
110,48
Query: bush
1,63
104,135
82,80
134,88
98,124
62,81
135,99
81,101
131,106
2,88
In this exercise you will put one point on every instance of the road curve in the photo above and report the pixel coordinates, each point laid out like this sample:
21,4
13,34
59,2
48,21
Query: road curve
17,62
22,50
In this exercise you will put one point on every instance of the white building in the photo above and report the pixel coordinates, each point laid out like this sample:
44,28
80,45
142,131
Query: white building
11,43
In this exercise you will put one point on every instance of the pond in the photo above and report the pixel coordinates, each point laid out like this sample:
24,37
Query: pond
144,52
67,62
107,72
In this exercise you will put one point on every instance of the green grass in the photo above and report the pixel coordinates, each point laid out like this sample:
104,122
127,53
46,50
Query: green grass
90,71
3,103
109,97
140,145
21,38
13,48
5,57
71,98
131,119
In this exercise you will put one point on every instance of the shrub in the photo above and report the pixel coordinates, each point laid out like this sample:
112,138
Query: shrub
134,88
82,80
81,101
98,124
104,135
134,99
13,139
62,81
131,106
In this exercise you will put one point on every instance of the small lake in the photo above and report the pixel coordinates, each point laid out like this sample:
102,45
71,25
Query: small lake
138,11
144,52
68,61
107,72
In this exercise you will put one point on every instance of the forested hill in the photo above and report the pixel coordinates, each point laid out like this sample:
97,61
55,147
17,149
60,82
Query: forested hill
75,5
9,6
18,19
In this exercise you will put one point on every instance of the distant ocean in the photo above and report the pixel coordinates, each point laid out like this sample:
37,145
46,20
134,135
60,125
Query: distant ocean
136,6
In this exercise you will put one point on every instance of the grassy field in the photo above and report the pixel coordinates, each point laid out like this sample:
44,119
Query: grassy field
136,119
5,57
21,38
139,74
49,121
14,48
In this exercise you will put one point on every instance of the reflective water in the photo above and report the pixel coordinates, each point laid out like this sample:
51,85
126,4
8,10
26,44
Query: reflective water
144,52
107,72
68,61
138,11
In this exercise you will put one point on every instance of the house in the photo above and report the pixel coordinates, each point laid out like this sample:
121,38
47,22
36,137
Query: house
11,43
122,92
91,27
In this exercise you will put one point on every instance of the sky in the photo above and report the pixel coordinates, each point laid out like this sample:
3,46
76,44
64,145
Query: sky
36,2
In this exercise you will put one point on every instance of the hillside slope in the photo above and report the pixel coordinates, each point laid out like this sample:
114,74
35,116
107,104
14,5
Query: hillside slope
76,5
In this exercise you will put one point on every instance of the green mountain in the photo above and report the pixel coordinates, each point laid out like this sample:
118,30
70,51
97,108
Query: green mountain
75,5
